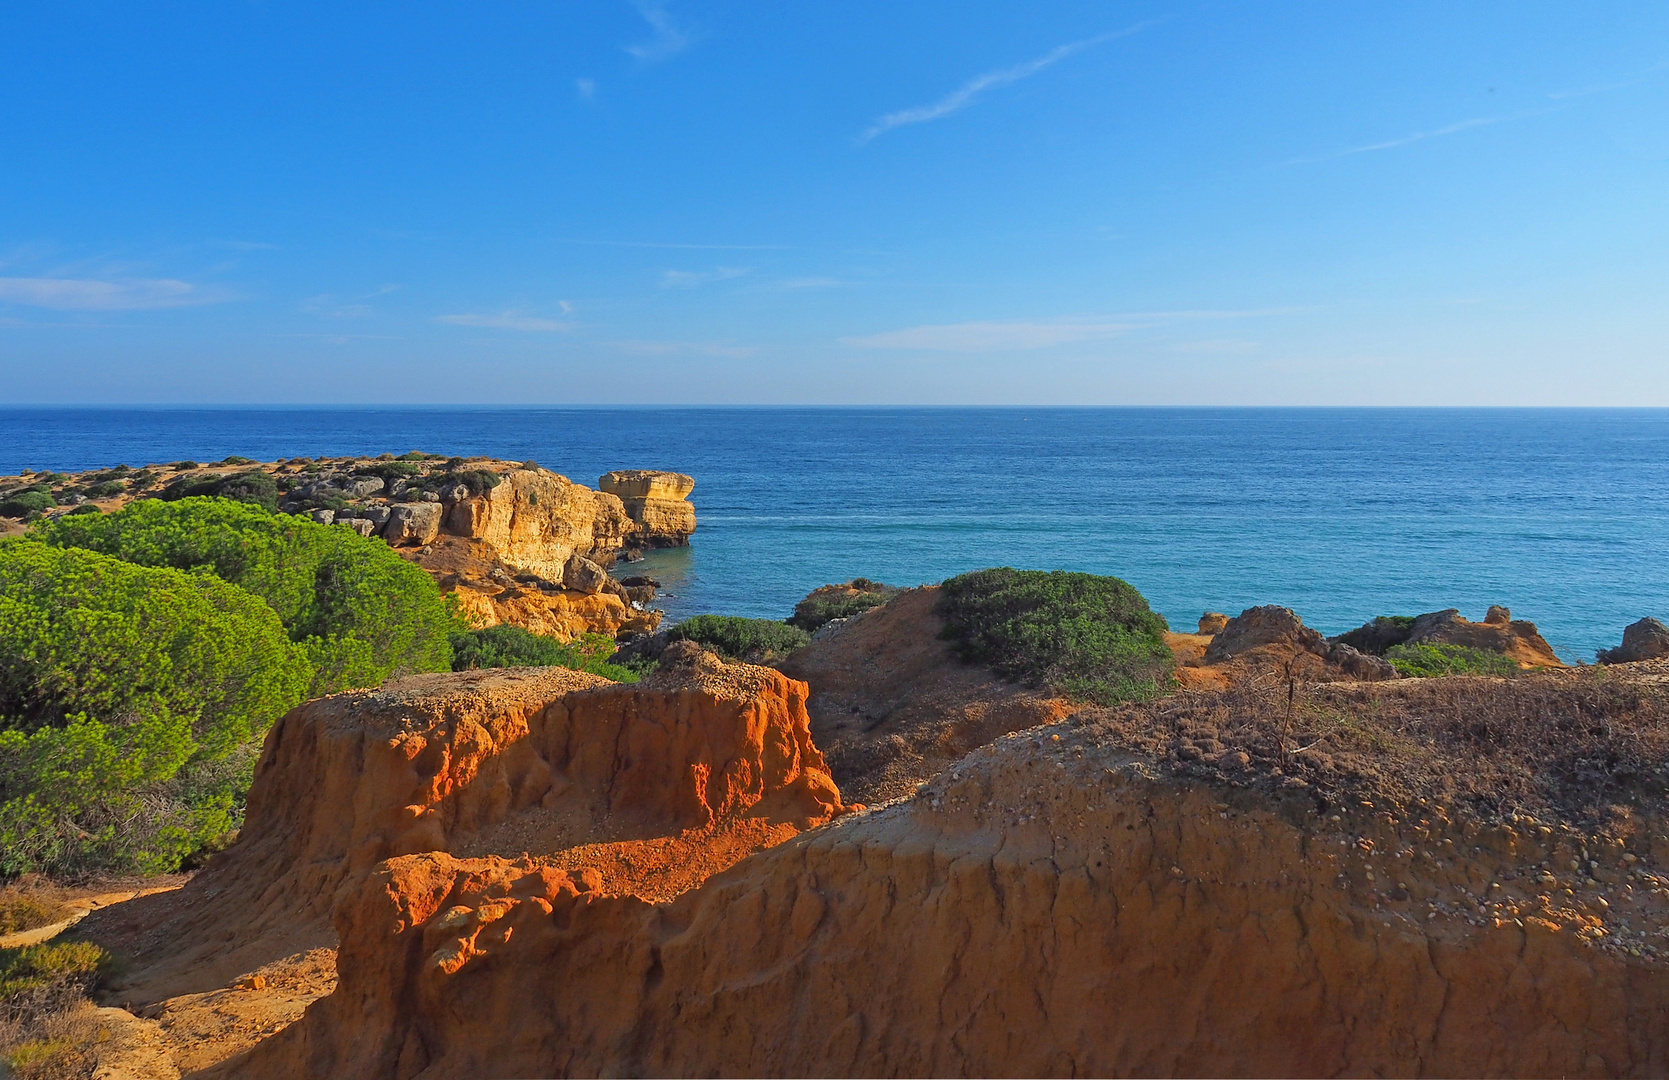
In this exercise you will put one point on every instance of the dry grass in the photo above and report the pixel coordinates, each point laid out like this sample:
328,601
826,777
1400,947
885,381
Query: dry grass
58,1044
49,1030
26,909
1584,746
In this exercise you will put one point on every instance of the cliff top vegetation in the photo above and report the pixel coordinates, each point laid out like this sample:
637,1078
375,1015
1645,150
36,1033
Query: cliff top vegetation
1082,636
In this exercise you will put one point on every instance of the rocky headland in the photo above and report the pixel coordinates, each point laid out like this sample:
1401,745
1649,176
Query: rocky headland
515,543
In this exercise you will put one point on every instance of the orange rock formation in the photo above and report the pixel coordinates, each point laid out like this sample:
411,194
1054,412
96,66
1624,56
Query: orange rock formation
541,873
1044,908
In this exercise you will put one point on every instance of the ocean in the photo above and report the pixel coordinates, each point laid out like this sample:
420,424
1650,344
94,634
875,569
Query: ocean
1340,514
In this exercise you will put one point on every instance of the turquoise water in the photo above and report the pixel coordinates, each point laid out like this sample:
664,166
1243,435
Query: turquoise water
1342,514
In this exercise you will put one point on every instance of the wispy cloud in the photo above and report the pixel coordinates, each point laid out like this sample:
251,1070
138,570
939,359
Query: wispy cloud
988,336
689,279
510,320
339,307
961,98
1422,136
1215,347
666,348
1022,335
242,245
674,246
1633,79
124,294
669,39
586,87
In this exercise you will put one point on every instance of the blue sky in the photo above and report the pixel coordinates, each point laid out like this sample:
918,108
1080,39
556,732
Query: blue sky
718,202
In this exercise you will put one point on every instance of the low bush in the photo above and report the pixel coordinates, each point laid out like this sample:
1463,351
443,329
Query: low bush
254,486
25,503
390,471
362,613
1377,636
478,481
1080,635
755,641
831,602
182,466
106,489
1426,661
511,646
121,686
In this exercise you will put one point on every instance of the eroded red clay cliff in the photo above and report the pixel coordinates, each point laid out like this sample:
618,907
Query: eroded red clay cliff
1044,908
656,785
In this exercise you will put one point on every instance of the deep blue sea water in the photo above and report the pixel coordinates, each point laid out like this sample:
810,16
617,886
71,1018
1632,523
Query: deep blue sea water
1341,514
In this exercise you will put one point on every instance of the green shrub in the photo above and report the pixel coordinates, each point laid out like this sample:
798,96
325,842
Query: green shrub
362,613
756,641
1377,636
26,503
1079,635
233,459
182,466
511,646
254,486
106,489
839,602
116,682
390,471
478,481
86,508
1426,661
53,965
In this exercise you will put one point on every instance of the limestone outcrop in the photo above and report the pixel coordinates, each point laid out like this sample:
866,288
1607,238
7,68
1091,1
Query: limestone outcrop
537,520
529,523
1647,639
489,593
657,502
